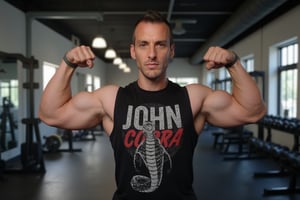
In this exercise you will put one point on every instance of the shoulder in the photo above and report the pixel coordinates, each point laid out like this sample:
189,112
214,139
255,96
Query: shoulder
106,93
197,95
107,89
198,90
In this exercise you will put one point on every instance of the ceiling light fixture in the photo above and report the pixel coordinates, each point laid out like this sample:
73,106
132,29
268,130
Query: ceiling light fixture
122,66
179,29
99,43
110,53
117,61
127,70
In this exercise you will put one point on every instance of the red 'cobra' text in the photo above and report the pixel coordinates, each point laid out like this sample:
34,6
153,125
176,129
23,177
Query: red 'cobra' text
167,137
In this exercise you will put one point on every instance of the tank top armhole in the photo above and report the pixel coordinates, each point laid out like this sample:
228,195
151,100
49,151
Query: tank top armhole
189,107
117,104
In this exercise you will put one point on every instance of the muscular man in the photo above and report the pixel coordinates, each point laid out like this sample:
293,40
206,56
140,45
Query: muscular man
153,124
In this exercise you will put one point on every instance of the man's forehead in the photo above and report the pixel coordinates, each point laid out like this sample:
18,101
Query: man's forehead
152,27
144,32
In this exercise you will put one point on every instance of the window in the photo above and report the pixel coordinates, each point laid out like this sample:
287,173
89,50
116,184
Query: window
48,71
97,82
92,83
9,91
210,79
288,80
224,77
85,82
184,81
89,83
248,63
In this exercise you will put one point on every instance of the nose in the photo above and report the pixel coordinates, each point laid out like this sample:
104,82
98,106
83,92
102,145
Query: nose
152,52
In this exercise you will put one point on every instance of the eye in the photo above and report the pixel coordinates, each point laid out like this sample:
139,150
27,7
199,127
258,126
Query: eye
162,44
142,44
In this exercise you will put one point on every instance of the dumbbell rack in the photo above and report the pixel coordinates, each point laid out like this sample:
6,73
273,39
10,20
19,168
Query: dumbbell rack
290,126
237,136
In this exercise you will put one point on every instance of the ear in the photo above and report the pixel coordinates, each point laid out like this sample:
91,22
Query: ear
132,51
172,51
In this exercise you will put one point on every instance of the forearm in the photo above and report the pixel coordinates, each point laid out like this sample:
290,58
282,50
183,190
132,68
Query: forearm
246,92
57,93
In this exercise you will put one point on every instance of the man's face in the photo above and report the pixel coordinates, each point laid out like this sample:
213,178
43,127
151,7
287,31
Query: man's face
152,50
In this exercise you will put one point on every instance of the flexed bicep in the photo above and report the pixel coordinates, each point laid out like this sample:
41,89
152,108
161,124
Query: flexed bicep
86,110
245,104
223,110
82,111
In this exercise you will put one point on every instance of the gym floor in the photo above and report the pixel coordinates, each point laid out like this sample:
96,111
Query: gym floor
90,175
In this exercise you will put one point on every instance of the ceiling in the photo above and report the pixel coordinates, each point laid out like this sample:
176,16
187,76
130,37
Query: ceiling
206,22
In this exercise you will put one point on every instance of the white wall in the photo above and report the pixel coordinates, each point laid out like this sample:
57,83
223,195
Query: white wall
180,67
118,77
12,31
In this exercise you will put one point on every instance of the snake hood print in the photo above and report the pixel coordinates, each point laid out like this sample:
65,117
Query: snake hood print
152,154
153,141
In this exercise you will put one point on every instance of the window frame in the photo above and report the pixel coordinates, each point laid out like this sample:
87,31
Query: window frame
284,68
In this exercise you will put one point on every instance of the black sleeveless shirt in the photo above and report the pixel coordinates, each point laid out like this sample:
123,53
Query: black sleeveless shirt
153,141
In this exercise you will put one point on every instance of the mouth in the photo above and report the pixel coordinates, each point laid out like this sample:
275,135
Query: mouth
151,64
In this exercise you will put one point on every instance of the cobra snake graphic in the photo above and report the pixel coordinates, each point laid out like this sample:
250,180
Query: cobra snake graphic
152,154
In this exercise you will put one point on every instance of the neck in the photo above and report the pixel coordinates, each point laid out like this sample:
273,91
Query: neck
152,85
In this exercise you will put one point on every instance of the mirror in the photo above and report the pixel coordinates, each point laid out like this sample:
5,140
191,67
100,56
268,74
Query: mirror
9,103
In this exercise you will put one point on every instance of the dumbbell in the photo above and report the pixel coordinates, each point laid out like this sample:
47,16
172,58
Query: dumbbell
2,165
53,143
296,162
277,151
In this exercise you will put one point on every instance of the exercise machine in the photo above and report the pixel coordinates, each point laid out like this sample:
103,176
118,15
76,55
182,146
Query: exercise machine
31,150
54,142
31,155
7,126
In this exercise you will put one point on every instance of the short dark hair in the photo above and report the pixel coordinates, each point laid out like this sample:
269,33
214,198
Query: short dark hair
153,16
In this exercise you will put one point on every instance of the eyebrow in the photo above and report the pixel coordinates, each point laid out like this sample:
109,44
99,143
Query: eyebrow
145,41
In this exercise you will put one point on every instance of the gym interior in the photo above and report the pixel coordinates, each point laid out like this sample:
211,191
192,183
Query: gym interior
254,161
